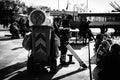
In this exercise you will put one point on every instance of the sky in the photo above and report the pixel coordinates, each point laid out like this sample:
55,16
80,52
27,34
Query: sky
93,5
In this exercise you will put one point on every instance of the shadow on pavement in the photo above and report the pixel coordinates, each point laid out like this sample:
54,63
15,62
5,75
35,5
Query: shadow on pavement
17,48
10,69
25,75
5,38
68,74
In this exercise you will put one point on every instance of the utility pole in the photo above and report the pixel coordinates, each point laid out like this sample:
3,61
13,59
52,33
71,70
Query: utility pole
58,4
87,5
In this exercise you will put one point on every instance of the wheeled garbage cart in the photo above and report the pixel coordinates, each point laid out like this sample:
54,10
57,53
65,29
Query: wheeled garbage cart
43,51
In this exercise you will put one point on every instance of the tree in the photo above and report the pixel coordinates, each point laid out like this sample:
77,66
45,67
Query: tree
10,8
116,6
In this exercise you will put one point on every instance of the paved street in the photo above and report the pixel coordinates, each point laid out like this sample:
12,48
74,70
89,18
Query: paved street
13,59
81,17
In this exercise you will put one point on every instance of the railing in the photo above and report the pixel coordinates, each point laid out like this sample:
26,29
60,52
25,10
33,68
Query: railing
97,20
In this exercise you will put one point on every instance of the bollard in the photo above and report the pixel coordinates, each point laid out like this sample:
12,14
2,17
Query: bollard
70,59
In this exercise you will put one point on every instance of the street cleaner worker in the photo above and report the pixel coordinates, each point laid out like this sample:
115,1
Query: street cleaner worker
54,44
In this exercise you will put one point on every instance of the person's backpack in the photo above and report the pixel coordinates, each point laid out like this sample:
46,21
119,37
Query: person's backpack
27,42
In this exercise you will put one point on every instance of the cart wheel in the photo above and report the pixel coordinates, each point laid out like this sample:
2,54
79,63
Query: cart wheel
30,63
53,66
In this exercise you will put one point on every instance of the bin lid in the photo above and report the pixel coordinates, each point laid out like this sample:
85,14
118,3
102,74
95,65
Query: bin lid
37,17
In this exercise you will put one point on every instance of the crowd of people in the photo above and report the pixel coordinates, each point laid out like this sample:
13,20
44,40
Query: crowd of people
107,54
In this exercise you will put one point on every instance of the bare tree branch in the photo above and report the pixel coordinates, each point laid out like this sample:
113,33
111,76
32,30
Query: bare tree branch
113,5
117,4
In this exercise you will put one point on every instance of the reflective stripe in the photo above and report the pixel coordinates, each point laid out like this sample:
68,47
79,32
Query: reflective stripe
40,43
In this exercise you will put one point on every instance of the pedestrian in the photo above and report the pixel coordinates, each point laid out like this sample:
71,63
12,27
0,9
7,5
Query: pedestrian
22,27
112,63
103,29
56,25
99,39
63,48
101,54
85,31
83,28
64,37
14,30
